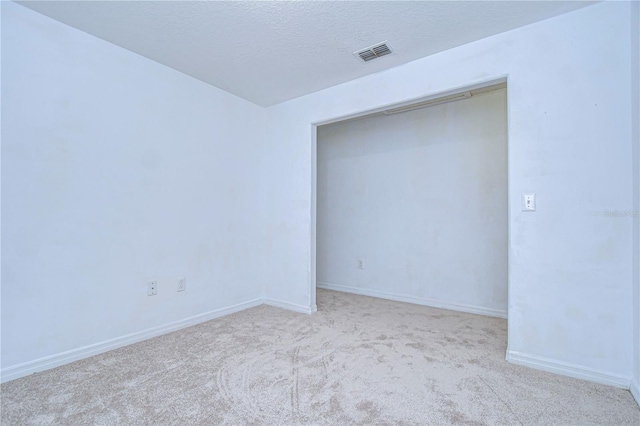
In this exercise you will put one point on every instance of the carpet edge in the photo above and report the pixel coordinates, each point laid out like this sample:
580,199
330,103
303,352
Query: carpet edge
52,361
567,369
415,299
277,303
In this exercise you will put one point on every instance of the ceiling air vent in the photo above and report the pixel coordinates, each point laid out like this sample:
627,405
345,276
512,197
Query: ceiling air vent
373,52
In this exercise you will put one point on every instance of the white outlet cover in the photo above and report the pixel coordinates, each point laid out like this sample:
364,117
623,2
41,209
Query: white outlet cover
152,288
182,284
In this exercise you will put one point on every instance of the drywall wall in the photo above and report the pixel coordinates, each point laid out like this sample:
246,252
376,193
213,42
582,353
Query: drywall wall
421,198
635,108
569,121
116,171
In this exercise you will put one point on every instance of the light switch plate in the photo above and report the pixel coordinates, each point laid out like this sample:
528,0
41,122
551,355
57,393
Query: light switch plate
529,202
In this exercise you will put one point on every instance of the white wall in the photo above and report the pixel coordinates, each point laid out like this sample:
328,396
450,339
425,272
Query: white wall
570,265
421,197
115,171
635,105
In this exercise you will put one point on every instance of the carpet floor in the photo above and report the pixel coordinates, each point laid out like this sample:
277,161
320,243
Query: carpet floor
358,360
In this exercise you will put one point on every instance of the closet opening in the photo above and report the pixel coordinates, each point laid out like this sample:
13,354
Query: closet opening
410,202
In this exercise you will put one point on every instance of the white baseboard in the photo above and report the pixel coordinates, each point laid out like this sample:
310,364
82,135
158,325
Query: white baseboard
567,369
415,299
290,306
635,389
52,361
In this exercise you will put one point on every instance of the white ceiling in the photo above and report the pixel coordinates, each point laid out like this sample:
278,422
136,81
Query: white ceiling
269,52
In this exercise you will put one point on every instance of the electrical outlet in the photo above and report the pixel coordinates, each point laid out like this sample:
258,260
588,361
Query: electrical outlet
360,263
182,284
152,288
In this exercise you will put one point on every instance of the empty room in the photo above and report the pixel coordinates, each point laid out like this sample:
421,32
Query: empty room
420,212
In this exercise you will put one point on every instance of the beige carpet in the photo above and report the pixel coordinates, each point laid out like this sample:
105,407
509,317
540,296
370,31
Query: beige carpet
359,360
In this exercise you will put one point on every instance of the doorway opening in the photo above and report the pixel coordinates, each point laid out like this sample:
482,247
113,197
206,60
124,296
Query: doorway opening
410,202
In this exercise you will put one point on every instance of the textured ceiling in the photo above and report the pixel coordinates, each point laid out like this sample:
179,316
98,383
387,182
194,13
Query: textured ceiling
269,52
